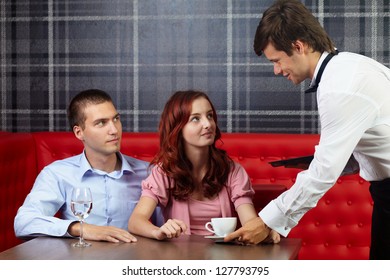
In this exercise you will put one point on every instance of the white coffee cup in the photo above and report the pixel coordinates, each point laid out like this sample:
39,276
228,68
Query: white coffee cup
222,226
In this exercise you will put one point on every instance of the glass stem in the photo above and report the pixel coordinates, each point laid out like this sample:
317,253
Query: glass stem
81,232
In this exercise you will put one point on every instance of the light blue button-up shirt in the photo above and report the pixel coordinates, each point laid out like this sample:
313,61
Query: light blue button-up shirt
114,196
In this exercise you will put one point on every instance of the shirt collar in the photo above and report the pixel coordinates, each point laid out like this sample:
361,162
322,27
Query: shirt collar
86,168
322,58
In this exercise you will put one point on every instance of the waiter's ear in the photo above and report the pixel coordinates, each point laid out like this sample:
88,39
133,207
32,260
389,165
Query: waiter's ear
299,46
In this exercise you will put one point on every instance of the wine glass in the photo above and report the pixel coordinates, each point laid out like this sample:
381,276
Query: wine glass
81,205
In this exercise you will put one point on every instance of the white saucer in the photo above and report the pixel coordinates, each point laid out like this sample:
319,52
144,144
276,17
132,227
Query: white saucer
216,238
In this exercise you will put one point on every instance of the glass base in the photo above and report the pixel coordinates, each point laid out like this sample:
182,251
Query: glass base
81,244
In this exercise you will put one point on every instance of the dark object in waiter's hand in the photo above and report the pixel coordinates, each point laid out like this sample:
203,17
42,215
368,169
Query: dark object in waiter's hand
352,166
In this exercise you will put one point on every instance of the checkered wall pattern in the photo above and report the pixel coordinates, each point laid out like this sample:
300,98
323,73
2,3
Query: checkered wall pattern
143,51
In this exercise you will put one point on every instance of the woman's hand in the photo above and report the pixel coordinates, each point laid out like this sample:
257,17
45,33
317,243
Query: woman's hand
171,229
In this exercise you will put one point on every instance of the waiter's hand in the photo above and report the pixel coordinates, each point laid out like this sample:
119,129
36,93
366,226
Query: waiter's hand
273,237
253,232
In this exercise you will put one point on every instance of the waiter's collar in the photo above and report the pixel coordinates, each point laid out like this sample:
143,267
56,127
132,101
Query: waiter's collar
322,62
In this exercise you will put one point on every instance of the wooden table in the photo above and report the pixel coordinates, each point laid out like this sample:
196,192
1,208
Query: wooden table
184,248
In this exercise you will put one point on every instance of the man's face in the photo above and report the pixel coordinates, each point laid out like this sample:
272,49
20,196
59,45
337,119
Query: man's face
295,67
102,131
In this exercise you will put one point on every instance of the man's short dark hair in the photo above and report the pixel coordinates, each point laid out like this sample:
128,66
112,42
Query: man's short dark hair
287,21
87,97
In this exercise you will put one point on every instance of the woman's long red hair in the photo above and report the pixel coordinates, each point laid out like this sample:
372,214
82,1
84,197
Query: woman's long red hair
171,157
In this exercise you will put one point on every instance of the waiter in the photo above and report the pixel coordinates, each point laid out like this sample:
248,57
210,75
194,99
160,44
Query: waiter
353,96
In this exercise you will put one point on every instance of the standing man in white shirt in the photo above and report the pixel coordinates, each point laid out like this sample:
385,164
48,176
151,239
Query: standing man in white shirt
353,96
114,179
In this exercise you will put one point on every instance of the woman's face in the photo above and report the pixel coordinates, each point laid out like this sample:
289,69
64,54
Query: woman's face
199,131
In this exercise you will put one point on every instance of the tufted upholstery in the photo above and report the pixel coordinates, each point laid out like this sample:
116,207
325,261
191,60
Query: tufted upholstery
338,228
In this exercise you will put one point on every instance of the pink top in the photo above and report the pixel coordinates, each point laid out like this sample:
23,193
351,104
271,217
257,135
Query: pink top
200,213
238,191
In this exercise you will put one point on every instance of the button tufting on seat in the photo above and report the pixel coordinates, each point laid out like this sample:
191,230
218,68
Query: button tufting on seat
344,210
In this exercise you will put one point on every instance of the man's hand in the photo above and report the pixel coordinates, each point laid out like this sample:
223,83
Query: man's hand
253,232
273,237
101,233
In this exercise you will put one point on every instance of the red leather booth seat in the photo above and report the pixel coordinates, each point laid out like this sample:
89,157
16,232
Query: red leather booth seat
17,174
338,228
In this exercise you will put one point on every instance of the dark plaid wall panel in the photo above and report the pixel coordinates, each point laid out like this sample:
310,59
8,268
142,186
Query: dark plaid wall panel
141,51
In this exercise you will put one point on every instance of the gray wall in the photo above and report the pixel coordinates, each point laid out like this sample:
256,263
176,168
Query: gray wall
141,51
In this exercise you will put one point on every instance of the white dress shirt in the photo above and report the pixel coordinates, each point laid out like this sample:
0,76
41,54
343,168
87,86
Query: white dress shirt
354,107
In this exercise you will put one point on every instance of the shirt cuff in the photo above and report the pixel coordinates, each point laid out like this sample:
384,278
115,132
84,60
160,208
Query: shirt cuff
63,228
275,219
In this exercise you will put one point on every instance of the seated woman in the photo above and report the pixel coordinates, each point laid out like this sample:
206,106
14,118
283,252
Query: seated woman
192,179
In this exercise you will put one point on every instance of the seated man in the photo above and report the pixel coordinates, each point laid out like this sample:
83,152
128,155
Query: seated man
114,179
